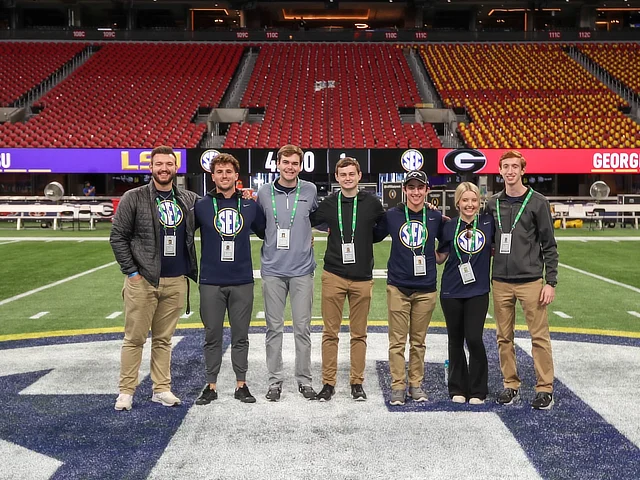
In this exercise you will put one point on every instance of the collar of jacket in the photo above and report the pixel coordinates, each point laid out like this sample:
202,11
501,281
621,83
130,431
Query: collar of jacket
503,194
278,188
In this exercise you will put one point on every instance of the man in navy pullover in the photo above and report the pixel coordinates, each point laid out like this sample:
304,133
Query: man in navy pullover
226,277
411,283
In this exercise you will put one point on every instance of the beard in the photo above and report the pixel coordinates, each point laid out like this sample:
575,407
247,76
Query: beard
159,181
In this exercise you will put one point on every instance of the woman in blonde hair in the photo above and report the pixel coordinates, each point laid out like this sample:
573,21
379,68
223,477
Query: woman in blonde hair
464,293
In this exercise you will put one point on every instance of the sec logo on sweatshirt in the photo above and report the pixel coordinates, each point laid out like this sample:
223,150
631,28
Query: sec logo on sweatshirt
228,222
413,234
471,242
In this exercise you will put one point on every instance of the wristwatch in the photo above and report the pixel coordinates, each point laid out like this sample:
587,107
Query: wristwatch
553,284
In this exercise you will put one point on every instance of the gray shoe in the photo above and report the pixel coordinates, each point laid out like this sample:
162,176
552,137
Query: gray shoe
397,397
307,392
273,394
417,394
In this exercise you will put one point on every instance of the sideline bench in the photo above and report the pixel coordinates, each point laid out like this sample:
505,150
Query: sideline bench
57,213
601,212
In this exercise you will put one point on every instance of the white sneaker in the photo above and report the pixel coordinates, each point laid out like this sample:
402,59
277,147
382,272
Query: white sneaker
458,399
124,401
476,401
167,399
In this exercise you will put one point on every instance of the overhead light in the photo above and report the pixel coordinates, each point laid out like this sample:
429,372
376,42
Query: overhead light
361,25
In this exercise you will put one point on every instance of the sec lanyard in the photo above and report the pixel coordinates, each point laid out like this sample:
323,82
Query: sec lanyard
473,239
293,210
424,224
524,204
236,223
353,220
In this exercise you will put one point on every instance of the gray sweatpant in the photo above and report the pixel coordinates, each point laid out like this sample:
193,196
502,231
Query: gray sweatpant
274,291
214,303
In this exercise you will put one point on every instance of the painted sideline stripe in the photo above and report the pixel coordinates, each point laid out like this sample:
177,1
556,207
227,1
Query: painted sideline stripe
635,314
113,315
562,314
55,284
38,315
374,323
10,241
604,279
319,238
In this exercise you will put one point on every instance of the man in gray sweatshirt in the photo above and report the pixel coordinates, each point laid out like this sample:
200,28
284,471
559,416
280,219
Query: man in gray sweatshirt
288,266
525,270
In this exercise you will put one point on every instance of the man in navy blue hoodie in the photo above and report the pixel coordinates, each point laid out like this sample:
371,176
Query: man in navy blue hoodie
411,283
226,276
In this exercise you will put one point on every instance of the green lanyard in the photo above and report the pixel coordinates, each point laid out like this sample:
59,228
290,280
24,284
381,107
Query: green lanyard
353,220
217,220
473,239
159,203
293,210
424,224
524,204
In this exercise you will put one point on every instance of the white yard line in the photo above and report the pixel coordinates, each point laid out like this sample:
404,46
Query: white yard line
319,238
260,314
113,315
38,315
10,241
55,284
635,314
604,279
562,314
186,315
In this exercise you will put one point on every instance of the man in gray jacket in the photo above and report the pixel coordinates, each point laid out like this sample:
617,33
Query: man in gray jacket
287,268
152,240
525,269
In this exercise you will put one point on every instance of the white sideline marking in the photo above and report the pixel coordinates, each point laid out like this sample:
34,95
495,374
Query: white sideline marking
604,279
38,315
186,315
6,243
489,315
113,315
562,314
635,314
55,284
260,314
320,238
377,273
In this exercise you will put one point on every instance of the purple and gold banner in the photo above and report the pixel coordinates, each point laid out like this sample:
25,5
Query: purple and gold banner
81,160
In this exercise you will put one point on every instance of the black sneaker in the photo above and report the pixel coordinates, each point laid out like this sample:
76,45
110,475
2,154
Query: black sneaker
509,396
357,392
543,401
326,393
207,396
273,395
307,392
244,395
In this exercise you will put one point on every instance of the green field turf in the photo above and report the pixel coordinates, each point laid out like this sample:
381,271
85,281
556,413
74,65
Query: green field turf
85,302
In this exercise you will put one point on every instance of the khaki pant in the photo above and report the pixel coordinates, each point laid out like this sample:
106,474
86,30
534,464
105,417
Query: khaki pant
505,296
408,316
334,291
156,309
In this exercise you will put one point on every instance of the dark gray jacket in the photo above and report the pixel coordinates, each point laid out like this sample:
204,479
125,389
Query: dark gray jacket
136,237
533,244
